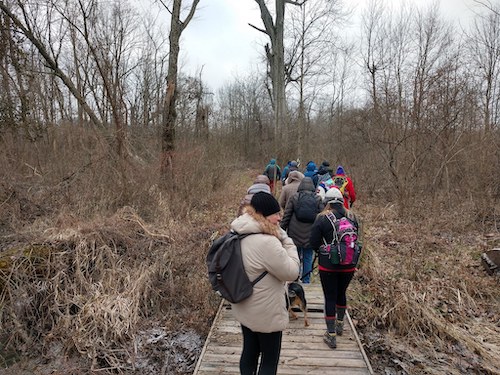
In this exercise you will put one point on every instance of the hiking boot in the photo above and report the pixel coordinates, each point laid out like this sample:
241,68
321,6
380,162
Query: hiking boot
339,327
330,339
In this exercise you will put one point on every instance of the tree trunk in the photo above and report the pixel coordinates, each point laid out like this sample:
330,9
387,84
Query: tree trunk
169,112
276,58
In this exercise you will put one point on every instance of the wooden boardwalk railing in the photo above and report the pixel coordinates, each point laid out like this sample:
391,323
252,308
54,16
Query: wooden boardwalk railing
303,350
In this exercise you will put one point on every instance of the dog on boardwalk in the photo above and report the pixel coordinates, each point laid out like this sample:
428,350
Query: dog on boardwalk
297,298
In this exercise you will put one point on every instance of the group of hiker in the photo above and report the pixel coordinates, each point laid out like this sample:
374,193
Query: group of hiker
313,201
323,178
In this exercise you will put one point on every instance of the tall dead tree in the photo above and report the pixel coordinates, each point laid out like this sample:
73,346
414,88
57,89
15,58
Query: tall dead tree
275,54
169,112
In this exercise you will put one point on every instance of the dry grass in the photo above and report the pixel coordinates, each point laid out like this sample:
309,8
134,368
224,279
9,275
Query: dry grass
422,300
72,282
97,263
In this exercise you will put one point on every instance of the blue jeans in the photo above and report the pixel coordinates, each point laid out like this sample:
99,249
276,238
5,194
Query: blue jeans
306,261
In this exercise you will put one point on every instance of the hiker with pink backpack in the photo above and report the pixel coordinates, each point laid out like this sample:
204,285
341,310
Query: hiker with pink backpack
335,236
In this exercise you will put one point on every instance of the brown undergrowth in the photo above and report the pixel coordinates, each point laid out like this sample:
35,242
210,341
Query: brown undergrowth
127,292
421,300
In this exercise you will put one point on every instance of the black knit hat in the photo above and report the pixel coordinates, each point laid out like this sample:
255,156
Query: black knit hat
265,204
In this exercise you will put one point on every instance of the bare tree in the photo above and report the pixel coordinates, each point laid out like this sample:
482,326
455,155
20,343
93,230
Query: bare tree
309,43
242,115
51,60
484,44
275,54
169,111
416,88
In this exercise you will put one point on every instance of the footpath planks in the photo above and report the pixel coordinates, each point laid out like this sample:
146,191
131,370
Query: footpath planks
303,350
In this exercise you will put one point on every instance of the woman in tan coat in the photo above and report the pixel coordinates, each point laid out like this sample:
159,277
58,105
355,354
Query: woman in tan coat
263,316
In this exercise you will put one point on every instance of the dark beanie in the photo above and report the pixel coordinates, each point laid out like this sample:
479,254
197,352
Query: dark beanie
265,204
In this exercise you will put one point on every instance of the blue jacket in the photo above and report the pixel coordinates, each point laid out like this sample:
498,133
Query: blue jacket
312,172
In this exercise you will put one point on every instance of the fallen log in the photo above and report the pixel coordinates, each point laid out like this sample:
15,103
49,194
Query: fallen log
491,261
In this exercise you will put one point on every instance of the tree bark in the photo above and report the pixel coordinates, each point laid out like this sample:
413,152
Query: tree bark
169,109
276,58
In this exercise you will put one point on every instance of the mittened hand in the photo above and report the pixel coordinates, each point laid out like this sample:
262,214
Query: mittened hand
283,235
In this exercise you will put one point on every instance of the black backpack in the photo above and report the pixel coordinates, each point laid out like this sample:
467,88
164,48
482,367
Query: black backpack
306,209
226,271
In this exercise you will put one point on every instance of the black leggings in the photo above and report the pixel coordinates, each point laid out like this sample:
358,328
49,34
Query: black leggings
255,344
334,288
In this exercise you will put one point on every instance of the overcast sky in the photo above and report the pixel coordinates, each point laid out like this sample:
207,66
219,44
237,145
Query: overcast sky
220,40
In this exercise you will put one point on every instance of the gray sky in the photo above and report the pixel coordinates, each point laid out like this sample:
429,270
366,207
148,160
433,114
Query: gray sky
220,40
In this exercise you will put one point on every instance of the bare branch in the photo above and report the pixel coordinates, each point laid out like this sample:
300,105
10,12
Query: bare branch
165,6
258,28
488,5
52,64
190,15
267,19
298,3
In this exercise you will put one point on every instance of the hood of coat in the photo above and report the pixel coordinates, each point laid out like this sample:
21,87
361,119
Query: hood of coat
246,224
294,176
311,166
261,179
255,188
307,184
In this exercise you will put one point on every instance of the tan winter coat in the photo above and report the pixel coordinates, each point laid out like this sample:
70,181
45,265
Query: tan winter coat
291,185
265,310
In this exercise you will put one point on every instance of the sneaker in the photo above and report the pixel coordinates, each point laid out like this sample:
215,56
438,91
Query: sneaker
330,339
339,327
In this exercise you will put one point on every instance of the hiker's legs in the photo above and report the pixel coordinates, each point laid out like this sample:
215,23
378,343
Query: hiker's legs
250,353
307,259
329,281
343,281
329,285
270,345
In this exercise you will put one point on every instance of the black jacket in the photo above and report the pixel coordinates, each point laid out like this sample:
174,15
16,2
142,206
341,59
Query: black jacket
322,231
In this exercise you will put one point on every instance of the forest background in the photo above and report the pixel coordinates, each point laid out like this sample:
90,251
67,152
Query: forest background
117,170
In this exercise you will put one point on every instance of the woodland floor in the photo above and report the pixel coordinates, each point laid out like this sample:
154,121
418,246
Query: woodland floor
421,301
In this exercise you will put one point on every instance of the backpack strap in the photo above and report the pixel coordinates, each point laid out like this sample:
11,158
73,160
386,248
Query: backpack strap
332,219
261,276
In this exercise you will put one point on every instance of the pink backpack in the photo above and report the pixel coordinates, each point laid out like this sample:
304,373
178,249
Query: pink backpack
344,248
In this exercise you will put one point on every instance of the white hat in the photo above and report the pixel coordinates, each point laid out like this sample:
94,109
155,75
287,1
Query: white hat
333,195
321,192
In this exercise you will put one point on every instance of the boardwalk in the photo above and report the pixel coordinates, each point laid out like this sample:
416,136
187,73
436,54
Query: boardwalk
303,350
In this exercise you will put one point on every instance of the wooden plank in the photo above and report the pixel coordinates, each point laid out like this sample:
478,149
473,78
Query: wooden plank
293,350
328,359
303,350
211,369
